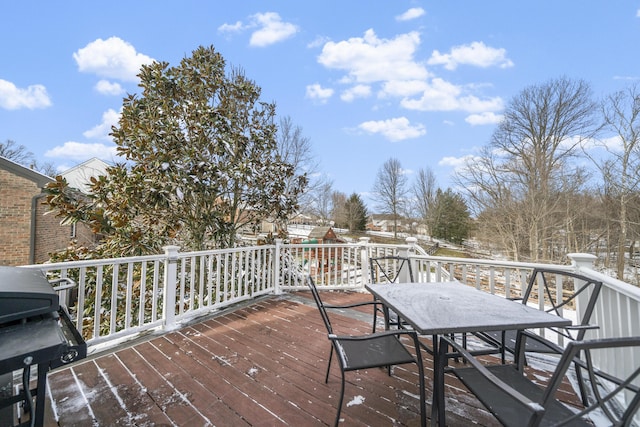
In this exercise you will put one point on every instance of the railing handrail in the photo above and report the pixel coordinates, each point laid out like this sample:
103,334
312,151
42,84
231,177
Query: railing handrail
492,262
619,286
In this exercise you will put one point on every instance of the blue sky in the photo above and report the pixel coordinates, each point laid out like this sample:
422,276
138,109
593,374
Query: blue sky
421,81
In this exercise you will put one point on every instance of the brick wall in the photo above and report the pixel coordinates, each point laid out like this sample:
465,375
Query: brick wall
53,237
15,217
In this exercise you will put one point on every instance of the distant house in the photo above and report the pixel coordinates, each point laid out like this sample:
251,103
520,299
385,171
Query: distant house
27,235
80,175
385,222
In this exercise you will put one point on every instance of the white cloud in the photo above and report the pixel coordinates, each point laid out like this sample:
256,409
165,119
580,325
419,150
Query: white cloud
441,95
369,59
106,87
638,13
476,53
317,42
272,29
80,151
403,88
101,131
413,13
14,98
112,58
396,129
486,118
357,91
613,144
456,162
318,93
391,65
231,28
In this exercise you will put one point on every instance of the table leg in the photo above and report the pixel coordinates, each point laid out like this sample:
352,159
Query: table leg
435,400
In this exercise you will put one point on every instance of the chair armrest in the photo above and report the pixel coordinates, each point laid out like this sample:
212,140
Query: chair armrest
536,408
357,304
580,327
396,332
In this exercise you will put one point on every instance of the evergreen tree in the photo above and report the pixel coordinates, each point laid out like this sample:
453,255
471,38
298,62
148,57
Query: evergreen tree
201,163
450,218
356,213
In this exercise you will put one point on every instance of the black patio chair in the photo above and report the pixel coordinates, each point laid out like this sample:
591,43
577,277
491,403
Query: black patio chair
382,349
516,400
584,290
388,269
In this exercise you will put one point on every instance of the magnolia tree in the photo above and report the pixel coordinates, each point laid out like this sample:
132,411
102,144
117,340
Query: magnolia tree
201,162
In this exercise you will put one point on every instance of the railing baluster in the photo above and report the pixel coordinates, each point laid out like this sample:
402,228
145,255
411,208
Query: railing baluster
128,307
154,300
97,308
114,298
82,288
143,293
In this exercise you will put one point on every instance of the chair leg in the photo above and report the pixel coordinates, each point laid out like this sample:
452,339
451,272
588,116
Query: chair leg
340,402
375,318
326,378
581,385
423,393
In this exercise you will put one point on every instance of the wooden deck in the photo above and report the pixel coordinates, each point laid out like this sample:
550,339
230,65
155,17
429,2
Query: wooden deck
258,365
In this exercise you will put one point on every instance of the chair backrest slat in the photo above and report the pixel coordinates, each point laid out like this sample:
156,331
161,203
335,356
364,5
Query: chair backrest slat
605,390
584,287
323,310
389,268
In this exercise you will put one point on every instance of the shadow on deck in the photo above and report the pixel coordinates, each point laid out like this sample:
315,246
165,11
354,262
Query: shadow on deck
259,365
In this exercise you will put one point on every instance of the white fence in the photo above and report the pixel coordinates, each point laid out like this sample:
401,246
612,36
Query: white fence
124,297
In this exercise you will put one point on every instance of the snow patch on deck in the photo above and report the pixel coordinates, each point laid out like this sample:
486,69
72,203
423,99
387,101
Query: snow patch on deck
357,400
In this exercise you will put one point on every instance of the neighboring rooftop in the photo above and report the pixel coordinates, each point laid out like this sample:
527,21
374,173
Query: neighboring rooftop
80,175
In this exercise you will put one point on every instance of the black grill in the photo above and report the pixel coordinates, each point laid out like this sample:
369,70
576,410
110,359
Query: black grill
35,329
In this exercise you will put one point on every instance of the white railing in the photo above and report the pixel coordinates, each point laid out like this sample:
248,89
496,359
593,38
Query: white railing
124,297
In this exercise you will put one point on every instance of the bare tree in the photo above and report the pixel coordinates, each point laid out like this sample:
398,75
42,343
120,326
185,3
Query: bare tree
20,154
621,170
296,149
528,169
391,190
424,192
339,208
16,152
322,203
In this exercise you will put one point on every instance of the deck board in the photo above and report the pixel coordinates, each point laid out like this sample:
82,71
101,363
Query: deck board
258,365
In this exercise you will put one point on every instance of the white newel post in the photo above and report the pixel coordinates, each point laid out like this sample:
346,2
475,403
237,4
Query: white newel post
169,291
408,252
364,260
276,270
580,261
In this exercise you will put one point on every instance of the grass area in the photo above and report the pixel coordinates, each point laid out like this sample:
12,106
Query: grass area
448,252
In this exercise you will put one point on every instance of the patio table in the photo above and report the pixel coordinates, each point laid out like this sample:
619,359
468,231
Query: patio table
437,308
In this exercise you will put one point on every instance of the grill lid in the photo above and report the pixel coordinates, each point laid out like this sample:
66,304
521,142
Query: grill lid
25,293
